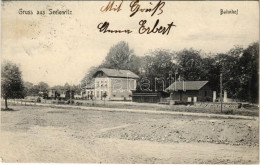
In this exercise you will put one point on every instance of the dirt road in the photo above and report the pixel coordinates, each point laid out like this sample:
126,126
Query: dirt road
42,134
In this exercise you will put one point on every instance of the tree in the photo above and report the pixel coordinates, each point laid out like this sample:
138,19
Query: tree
120,56
240,72
228,66
248,63
88,78
11,82
190,64
43,86
28,86
236,51
156,66
33,90
67,86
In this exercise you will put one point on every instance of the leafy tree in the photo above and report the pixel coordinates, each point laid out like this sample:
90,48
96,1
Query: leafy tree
75,88
59,88
248,67
190,64
28,86
120,56
156,66
11,82
227,65
236,51
240,72
33,90
88,78
67,86
43,86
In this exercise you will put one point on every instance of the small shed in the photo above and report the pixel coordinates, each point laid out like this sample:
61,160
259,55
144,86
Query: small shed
52,93
190,91
66,94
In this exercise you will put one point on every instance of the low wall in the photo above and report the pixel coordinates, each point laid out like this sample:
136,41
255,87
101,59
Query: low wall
218,104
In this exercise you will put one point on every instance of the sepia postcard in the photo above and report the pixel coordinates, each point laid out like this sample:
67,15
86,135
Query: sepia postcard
129,82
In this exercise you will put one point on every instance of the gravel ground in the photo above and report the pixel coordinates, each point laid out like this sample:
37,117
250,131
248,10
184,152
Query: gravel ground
44,134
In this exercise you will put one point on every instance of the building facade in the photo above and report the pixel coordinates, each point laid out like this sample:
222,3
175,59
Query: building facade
114,84
52,93
66,94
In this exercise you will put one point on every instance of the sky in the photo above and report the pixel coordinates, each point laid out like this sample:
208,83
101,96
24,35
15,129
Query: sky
58,49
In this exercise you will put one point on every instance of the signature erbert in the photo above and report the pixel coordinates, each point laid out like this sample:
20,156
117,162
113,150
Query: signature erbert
135,7
155,29
103,27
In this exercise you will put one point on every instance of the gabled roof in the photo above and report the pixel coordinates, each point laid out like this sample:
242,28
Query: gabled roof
90,85
188,85
117,73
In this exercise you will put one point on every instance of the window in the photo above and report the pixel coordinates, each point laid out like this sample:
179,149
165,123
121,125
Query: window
205,93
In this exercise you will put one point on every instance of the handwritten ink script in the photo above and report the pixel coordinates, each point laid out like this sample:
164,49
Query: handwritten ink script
136,8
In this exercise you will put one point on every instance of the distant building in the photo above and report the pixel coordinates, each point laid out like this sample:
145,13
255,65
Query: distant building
66,94
88,91
78,96
52,93
117,84
190,91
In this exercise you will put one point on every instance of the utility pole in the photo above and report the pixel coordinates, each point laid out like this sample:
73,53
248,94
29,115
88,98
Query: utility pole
221,92
70,95
170,78
175,80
